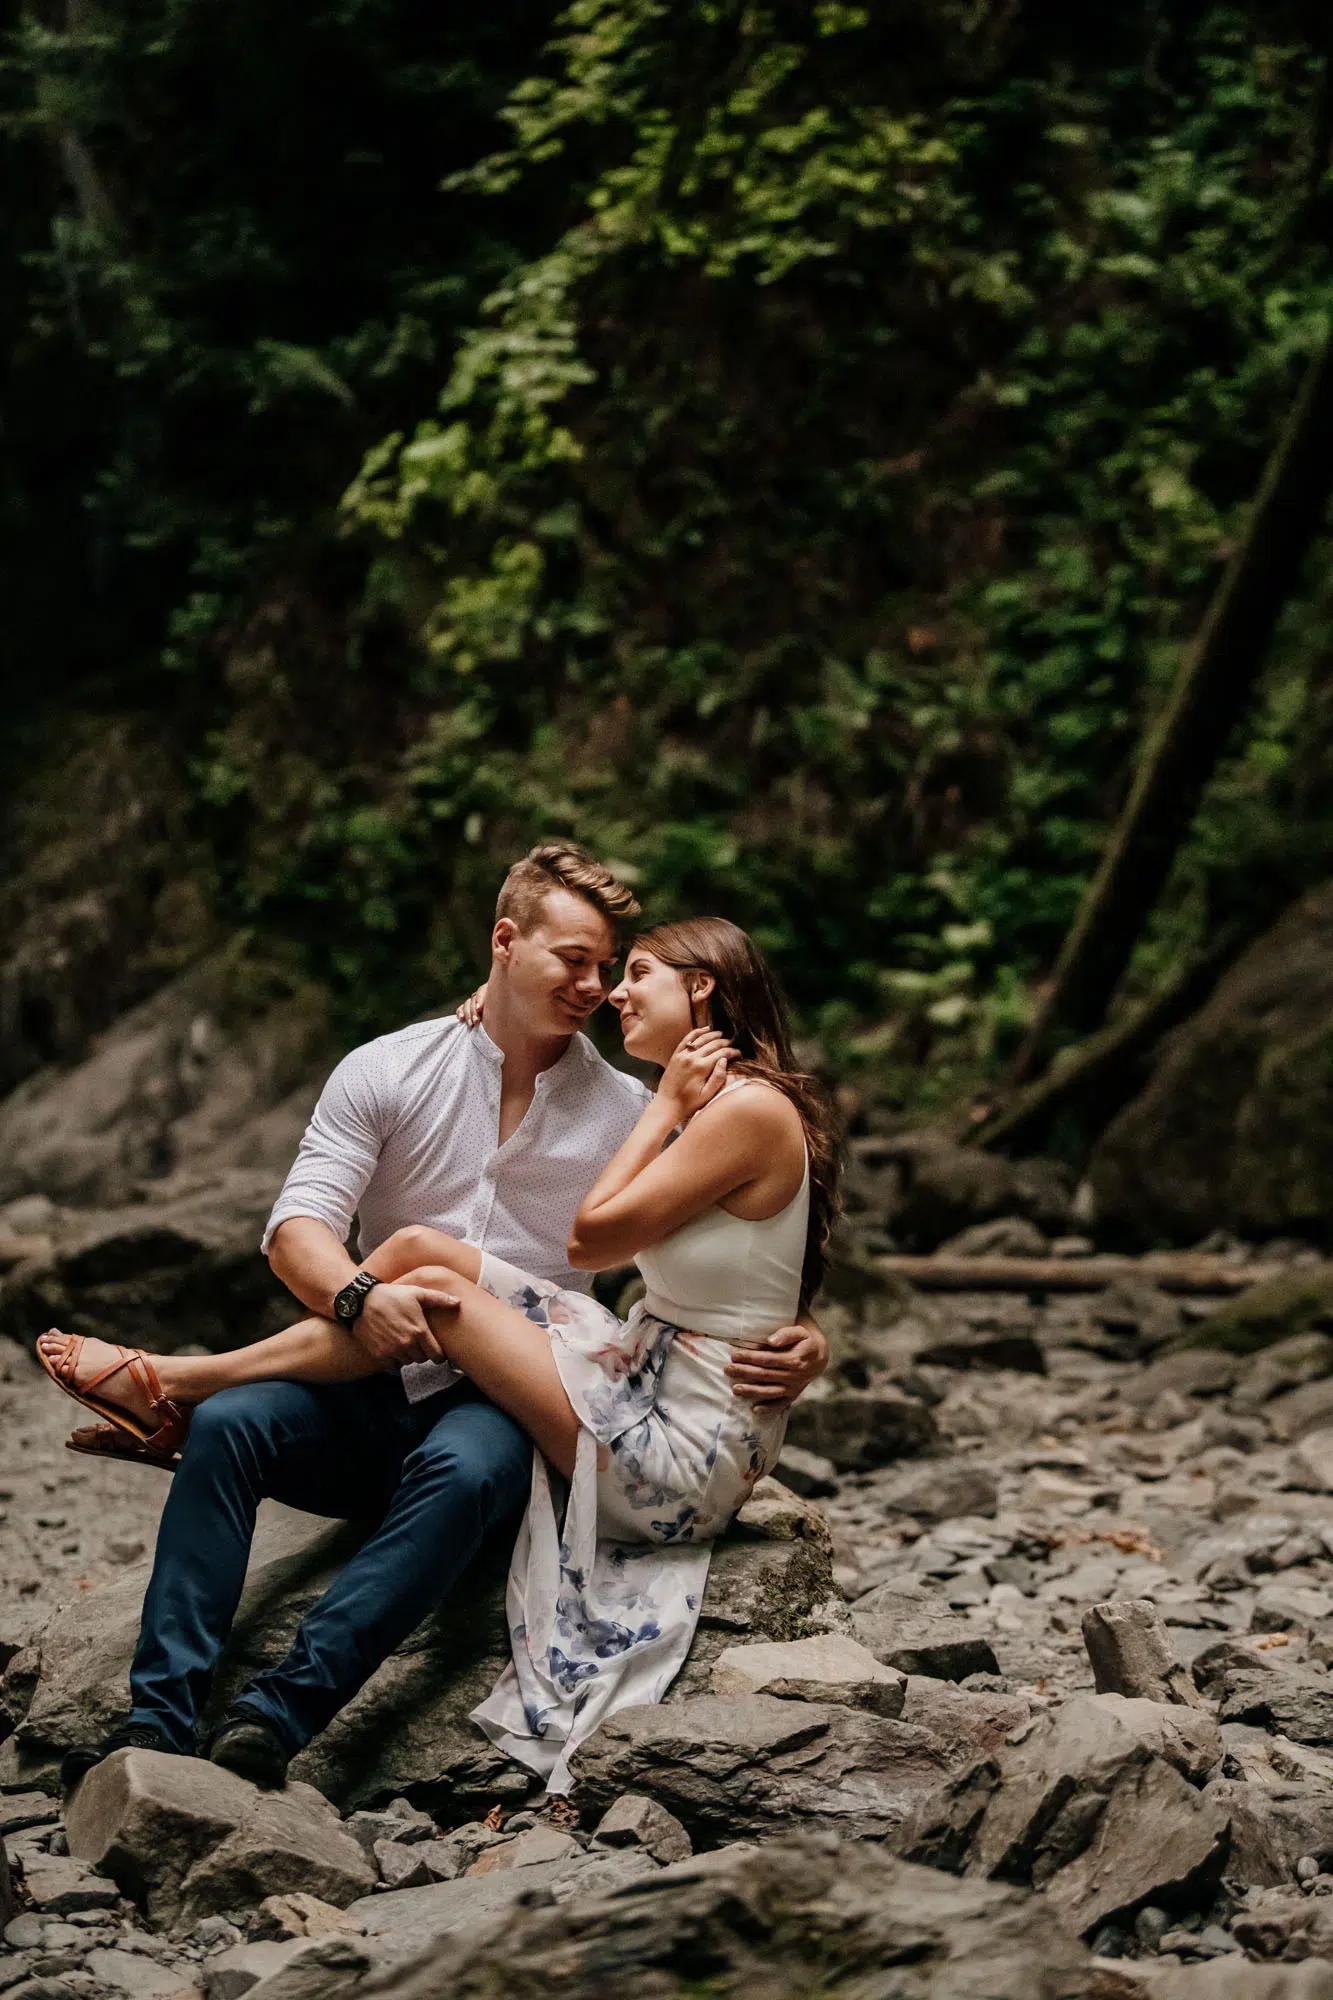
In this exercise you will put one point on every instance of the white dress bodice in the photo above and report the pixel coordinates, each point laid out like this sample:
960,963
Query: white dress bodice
729,1277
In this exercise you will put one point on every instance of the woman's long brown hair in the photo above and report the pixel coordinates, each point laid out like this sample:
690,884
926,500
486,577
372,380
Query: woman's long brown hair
748,1006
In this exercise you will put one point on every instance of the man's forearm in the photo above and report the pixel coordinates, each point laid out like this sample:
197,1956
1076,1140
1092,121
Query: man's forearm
311,1262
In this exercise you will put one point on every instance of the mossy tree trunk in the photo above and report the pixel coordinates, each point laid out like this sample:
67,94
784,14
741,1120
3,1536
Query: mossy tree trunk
1214,687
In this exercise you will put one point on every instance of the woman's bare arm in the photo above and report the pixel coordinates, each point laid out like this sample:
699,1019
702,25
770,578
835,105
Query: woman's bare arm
751,1140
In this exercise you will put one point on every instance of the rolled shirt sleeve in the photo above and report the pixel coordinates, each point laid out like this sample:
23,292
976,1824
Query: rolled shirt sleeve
339,1152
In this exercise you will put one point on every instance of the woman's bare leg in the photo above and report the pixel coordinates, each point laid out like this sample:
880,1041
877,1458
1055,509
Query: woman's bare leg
313,1350
506,1355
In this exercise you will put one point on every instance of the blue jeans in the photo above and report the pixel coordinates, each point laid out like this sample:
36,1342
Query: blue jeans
436,1476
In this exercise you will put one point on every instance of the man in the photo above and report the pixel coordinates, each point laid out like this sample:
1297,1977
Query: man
493,1135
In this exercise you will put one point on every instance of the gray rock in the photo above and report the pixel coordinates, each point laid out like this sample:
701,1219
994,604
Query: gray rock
969,1724
532,1848
1007,1347
401,1866
1299,1704
782,1921
732,1767
1310,1465
928,1189
59,1884
946,1492
829,1668
242,1968
859,1430
416,1920
8,1900
1007,1236
1097,1806
21,1810
1132,1655
24,1933
130,1972
313,1969
189,1839
903,1630
1233,1128
294,1916
638,1822
806,1472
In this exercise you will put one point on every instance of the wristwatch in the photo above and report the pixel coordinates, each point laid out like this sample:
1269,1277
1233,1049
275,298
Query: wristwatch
349,1301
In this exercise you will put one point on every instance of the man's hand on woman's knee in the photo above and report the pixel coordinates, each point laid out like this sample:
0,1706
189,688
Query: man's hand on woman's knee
393,1328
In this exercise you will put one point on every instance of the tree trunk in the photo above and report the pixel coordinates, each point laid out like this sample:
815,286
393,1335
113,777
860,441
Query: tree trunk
1211,694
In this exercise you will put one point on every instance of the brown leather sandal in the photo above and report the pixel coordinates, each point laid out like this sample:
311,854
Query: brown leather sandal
105,1441
170,1421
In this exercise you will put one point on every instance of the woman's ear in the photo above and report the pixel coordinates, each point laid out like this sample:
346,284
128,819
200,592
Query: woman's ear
702,986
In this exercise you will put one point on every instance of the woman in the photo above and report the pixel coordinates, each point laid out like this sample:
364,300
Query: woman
728,1223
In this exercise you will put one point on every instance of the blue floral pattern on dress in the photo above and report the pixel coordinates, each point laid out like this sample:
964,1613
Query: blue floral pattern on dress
603,1603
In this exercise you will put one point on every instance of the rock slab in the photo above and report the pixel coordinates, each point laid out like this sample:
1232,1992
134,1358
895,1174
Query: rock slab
186,1838
782,1921
732,1767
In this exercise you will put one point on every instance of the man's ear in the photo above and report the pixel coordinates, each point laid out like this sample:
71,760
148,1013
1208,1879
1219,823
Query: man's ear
502,937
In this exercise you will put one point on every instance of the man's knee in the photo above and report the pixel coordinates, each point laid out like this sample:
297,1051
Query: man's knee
252,1415
478,1456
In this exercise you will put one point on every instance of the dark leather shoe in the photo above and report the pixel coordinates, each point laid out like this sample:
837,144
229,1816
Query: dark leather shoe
76,1763
245,1744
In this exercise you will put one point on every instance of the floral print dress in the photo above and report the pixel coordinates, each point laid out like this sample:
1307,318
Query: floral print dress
603,1603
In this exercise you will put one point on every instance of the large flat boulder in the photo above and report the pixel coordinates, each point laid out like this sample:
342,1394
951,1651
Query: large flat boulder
407,1732
782,1921
737,1767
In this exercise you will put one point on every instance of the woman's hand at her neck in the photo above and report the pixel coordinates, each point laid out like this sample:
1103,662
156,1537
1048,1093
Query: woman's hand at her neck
696,1073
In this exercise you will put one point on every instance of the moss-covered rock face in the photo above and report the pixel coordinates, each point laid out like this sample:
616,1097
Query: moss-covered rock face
1235,1128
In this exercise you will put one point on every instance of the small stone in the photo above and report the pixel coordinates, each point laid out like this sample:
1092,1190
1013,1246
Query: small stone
1306,1868
830,1667
24,1932
52,1521
1132,1655
214,1933
1151,1926
124,1549
638,1822
441,1859
131,1973
58,1884
298,1915
401,1866
413,1824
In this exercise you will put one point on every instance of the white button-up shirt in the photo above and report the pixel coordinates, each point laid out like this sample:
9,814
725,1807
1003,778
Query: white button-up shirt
407,1130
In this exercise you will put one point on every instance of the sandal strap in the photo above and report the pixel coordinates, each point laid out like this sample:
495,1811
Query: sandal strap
141,1372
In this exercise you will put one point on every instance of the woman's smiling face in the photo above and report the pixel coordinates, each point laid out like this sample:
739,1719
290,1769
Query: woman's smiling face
654,1005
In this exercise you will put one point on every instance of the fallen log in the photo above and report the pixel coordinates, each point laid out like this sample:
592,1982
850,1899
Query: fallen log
1170,1271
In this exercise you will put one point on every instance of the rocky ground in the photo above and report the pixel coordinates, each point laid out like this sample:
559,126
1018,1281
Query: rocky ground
1017,1686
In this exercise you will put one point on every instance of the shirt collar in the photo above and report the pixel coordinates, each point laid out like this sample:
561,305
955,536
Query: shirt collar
578,1051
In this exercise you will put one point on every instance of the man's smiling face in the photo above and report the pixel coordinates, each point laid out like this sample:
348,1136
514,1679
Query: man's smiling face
560,970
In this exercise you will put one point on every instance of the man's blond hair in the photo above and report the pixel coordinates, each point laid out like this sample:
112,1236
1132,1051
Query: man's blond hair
558,864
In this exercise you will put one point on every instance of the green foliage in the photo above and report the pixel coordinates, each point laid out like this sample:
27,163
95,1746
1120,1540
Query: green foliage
810,519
